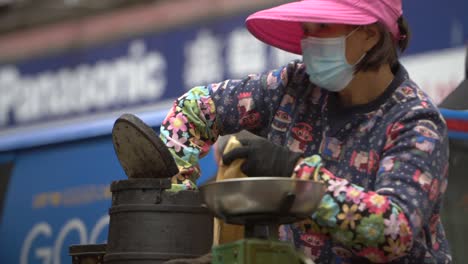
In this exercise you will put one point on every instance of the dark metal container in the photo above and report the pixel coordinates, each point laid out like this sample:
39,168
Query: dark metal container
151,225
87,254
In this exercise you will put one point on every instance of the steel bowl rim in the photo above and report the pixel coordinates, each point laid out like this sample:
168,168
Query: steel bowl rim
245,179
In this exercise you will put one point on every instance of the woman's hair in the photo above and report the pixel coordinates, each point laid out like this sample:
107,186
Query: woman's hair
387,49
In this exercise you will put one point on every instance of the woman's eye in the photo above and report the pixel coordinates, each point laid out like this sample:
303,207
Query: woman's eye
323,26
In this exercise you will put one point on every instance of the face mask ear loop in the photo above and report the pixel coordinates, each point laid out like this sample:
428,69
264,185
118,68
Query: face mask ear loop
354,30
344,46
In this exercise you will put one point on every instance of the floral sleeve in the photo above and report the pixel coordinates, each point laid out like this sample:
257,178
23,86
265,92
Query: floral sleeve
381,225
199,116
189,130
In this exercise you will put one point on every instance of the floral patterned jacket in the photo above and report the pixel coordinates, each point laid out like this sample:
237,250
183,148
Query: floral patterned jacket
386,161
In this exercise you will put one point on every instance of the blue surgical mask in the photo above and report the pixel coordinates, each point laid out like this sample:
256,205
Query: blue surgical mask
326,63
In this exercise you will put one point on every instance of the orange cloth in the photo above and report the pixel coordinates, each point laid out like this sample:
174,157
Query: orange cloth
225,233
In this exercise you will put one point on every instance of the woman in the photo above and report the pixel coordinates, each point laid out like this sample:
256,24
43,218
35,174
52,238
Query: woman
349,115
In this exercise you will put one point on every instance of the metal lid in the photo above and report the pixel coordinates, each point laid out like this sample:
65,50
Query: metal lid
145,183
141,153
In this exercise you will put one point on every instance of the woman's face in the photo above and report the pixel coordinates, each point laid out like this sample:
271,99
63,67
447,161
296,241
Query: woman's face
357,43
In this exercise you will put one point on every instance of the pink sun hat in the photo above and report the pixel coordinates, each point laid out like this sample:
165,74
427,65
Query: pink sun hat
281,26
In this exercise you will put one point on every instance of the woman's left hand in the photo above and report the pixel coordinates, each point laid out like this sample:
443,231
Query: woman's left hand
262,157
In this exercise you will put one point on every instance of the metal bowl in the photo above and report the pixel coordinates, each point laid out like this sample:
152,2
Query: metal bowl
262,200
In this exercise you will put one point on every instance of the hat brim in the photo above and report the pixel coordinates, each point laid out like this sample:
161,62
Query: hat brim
281,26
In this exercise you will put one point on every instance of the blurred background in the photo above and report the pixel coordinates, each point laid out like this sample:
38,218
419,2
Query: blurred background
69,68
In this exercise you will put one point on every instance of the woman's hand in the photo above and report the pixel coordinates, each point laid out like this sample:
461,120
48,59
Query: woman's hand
262,157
